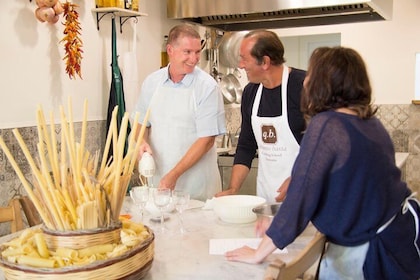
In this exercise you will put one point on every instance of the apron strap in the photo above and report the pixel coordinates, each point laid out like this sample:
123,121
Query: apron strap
408,207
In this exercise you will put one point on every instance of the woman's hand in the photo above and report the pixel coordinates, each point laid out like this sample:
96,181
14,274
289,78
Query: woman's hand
253,256
244,254
261,226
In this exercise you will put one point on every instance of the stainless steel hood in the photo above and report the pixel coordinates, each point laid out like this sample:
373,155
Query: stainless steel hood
236,15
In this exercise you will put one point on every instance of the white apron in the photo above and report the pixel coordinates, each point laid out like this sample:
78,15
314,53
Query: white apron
277,146
173,131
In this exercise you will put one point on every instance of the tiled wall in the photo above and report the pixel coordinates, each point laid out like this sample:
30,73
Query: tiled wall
402,122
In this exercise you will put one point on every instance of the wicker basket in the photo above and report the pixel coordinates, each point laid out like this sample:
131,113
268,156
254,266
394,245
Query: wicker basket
133,264
82,238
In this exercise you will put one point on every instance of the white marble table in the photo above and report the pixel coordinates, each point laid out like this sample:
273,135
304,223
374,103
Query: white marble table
179,257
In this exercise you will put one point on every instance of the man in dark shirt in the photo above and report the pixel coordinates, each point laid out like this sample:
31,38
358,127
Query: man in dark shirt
272,122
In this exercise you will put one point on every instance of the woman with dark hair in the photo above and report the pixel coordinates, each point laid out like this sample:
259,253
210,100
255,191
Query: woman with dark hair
345,181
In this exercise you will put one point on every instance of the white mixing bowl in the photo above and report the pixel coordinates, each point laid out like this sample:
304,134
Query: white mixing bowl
237,209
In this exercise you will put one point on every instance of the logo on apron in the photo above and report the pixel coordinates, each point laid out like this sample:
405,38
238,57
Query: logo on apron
268,134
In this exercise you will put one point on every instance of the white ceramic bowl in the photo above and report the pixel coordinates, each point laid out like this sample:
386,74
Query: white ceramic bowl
237,209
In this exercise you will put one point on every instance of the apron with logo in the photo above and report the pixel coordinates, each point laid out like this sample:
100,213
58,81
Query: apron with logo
173,131
277,146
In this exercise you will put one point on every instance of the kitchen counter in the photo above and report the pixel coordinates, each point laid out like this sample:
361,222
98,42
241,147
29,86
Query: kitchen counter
182,257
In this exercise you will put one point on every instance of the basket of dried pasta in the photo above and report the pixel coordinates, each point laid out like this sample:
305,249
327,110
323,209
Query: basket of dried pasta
28,257
79,200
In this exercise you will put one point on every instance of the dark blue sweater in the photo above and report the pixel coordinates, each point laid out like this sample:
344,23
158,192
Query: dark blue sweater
344,181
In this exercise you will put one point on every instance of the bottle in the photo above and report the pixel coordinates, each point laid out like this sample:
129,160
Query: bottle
164,54
135,5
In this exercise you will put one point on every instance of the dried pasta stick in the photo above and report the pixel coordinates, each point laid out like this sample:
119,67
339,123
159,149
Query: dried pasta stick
139,140
69,205
26,184
96,249
56,169
36,262
41,245
119,158
134,130
67,253
71,152
84,127
107,143
43,132
49,193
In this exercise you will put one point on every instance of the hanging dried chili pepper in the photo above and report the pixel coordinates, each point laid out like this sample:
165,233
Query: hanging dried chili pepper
73,43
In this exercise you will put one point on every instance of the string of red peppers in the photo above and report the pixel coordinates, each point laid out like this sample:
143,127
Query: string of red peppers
73,43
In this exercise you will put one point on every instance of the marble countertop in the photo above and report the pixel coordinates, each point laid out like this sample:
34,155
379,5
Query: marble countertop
179,257
186,256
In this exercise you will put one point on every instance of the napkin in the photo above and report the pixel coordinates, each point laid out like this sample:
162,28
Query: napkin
221,246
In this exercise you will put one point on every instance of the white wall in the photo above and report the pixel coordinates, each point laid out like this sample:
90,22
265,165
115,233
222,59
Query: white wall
32,71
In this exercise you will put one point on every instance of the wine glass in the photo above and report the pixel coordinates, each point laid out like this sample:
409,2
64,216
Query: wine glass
140,196
181,200
161,198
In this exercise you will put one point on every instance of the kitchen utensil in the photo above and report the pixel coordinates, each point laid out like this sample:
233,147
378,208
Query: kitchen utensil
231,89
229,48
267,210
147,165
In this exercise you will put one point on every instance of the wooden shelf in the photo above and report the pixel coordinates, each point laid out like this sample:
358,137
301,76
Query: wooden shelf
123,14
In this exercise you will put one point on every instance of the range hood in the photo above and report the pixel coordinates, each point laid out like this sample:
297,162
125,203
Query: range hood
237,15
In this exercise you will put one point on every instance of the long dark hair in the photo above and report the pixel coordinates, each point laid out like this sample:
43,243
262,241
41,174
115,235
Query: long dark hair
337,78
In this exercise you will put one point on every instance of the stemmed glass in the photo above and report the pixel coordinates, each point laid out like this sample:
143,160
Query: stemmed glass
140,196
162,197
181,200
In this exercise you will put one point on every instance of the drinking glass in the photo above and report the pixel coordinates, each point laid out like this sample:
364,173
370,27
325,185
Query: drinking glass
140,196
181,200
161,198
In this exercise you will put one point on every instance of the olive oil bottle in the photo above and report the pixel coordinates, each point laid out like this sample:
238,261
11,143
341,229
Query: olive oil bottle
164,60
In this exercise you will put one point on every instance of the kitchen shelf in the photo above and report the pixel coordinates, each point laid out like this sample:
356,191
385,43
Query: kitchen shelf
123,14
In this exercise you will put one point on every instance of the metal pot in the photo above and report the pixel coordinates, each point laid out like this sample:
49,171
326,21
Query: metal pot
229,48
231,89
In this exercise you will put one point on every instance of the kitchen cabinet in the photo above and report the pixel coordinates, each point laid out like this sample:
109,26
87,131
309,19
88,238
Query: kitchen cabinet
225,167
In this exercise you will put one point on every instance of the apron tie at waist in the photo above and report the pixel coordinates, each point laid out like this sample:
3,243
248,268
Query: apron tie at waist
408,207
384,226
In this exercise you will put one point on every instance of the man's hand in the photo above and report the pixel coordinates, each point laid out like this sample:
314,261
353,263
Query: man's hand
282,191
229,191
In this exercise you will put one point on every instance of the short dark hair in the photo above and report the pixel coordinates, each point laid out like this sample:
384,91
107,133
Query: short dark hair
337,78
267,43
182,30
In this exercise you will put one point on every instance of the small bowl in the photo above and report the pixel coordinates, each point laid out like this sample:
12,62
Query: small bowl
237,209
267,210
